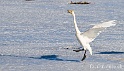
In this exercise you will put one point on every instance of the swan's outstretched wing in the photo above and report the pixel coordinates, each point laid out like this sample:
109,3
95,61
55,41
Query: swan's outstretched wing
92,33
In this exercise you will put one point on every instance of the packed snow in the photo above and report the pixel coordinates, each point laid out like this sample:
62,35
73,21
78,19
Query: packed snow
39,35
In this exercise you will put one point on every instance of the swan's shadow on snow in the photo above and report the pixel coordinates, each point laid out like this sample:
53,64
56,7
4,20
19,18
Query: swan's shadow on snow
46,57
111,52
53,57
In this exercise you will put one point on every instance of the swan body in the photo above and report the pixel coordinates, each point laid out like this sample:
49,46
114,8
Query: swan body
86,37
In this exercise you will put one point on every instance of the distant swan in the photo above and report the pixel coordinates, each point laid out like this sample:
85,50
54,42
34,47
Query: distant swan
80,2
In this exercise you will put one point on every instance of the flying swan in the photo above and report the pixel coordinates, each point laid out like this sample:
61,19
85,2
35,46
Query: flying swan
86,37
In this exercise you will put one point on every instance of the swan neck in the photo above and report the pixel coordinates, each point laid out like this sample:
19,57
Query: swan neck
75,24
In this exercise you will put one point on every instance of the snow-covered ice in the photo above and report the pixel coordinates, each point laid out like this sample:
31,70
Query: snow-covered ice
35,35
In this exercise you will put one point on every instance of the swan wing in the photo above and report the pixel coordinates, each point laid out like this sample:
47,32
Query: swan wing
92,33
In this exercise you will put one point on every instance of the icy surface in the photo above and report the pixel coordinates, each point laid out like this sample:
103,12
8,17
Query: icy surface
35,35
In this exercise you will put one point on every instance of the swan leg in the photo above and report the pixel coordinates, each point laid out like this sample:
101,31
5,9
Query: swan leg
84,56
78,50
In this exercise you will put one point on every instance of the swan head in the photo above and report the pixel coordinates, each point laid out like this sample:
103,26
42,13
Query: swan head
71,11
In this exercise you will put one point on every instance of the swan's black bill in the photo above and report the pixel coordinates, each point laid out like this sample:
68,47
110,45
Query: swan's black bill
70,11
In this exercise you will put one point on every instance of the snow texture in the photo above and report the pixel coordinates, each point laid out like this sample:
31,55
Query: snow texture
39,35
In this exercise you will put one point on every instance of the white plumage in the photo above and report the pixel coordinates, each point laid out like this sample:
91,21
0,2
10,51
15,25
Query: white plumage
92,33
86,37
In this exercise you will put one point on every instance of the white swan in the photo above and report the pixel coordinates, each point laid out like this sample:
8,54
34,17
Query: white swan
86,37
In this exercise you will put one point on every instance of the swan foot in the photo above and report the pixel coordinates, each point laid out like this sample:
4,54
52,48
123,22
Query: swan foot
84,56
78,50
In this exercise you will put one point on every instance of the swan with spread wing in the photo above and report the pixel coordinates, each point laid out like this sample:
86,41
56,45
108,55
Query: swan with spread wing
85,38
